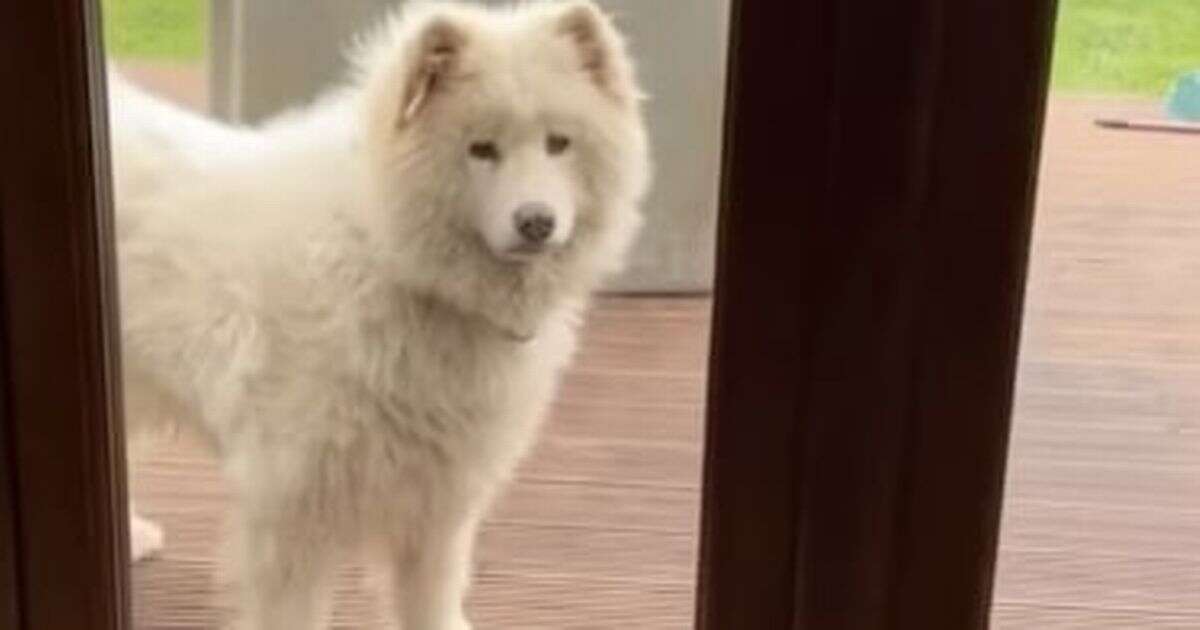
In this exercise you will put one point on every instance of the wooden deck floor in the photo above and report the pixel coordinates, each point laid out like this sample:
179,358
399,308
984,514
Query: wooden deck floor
1102,521
598,532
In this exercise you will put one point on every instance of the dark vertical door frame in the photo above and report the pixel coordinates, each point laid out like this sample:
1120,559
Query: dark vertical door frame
62,525
879,175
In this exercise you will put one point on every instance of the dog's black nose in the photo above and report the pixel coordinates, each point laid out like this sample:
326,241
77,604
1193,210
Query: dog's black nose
534,222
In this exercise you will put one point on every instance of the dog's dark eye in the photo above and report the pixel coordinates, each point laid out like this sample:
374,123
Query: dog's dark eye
557,143
485,151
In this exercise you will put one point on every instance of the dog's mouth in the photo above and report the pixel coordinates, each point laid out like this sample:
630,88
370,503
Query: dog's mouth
526,250
529,252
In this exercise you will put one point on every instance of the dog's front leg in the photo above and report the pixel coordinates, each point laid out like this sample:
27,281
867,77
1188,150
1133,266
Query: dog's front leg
284,576
431,580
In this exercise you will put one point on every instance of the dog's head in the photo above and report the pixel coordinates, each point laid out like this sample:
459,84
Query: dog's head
520,129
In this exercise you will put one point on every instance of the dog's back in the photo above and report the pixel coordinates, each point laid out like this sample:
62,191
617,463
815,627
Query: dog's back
179,328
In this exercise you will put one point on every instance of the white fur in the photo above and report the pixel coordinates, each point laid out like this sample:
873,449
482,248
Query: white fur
328,300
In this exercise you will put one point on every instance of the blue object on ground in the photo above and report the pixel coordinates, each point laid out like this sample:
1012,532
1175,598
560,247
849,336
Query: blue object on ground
1183,102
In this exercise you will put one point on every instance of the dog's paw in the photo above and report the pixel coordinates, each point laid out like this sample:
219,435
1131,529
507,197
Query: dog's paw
145,538
458,623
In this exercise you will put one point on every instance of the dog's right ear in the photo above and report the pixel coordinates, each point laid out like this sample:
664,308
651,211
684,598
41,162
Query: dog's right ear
600,48
436,55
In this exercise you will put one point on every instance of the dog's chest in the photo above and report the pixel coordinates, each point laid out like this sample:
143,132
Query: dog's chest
443,379
418,375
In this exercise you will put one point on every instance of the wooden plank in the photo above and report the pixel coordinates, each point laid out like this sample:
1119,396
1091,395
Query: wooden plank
1102,520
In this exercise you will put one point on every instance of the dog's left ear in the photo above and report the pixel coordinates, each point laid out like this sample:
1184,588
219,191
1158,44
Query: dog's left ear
438,51
600,47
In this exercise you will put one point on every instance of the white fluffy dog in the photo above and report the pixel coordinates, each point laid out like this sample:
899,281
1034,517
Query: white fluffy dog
365,306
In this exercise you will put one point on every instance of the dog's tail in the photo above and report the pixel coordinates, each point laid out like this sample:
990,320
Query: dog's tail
154,141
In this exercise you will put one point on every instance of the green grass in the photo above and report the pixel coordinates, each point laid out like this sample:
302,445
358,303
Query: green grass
1125,46
168,30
